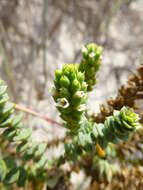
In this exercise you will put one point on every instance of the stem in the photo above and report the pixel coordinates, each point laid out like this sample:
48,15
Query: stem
37,114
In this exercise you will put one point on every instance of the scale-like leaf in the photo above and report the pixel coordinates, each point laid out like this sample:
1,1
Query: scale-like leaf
12,176
22,177
3,170
23,134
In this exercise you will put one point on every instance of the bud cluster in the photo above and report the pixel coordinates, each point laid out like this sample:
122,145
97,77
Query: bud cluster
70,94
90,63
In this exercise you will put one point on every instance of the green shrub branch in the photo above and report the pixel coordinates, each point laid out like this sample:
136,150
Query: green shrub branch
14,132
70,95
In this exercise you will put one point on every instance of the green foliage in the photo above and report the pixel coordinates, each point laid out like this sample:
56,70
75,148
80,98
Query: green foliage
90,63
119,126
87,138
14,132
115,129
71,98
105,169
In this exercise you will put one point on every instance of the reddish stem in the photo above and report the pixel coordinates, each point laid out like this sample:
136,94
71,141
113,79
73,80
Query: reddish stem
37,114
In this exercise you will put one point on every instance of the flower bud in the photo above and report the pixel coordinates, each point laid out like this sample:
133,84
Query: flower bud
75,85
79,95
80,77
64,92
64,81
58,74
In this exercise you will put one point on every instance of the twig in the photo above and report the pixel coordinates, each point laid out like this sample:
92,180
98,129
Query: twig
37,114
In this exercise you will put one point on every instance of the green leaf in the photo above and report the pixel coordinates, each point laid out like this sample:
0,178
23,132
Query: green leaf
82,139
22,147
3,89
17,120
41,150
22,177
30,151
3,99
33,148
8,134
7,122
38,166
7,109
23,134
10,162
99,129
42,162
12,176
3,170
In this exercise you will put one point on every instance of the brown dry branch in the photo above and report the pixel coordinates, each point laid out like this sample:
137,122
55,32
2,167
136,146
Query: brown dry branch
127,96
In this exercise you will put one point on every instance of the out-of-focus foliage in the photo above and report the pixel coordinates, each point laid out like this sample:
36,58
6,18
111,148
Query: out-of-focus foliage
10,171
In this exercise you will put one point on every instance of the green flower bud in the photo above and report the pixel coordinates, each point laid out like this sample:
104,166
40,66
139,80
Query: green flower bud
79,98
84,86
58,74
64,93
75,85
79,95
80,77
64,81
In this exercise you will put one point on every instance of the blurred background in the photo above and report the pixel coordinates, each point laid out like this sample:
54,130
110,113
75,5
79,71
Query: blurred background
39,36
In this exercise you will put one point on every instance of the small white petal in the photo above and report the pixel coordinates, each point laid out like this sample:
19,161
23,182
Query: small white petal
62,102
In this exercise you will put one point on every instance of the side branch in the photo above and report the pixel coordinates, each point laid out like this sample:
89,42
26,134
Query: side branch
37,114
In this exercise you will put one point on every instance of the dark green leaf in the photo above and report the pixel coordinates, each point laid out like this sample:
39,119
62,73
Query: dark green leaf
23,134
22,177
12,176
3,170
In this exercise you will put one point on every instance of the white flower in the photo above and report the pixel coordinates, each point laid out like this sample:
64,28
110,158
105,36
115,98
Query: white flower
62,102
